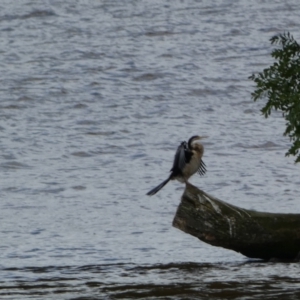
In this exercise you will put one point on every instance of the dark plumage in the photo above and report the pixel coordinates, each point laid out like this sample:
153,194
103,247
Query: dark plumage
187,161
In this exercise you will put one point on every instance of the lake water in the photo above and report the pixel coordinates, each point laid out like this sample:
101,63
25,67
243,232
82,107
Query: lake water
95,97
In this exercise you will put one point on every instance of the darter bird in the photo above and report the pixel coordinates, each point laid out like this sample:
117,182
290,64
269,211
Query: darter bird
187,161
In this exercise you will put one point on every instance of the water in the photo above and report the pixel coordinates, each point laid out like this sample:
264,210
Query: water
168,281
95,97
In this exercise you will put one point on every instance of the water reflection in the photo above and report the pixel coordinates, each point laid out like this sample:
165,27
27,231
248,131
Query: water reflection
174,281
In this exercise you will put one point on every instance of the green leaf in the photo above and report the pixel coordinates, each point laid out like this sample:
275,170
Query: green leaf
280,85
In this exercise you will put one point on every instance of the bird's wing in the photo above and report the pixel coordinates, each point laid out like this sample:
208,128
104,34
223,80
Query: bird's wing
188,155
180,159
202,168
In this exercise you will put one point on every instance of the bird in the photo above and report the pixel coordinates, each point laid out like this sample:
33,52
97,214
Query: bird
187,161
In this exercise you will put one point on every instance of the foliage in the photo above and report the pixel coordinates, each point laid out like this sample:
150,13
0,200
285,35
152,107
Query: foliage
280,84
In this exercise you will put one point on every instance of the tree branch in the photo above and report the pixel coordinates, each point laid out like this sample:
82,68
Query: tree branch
251,233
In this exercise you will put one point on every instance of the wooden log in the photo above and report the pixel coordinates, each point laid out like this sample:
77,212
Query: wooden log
267,236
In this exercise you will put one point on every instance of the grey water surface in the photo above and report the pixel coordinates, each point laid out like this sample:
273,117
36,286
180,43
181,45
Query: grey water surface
94,98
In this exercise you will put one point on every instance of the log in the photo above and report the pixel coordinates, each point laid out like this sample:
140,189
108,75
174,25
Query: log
268,236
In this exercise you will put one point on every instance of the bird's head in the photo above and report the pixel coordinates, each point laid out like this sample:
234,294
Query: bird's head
195,138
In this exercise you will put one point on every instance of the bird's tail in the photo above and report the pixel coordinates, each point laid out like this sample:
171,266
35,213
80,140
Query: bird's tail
156,189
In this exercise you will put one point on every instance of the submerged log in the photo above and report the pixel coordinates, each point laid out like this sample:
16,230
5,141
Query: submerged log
254,234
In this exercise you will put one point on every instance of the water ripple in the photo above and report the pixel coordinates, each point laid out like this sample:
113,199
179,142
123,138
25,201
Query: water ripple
119,281
95,98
